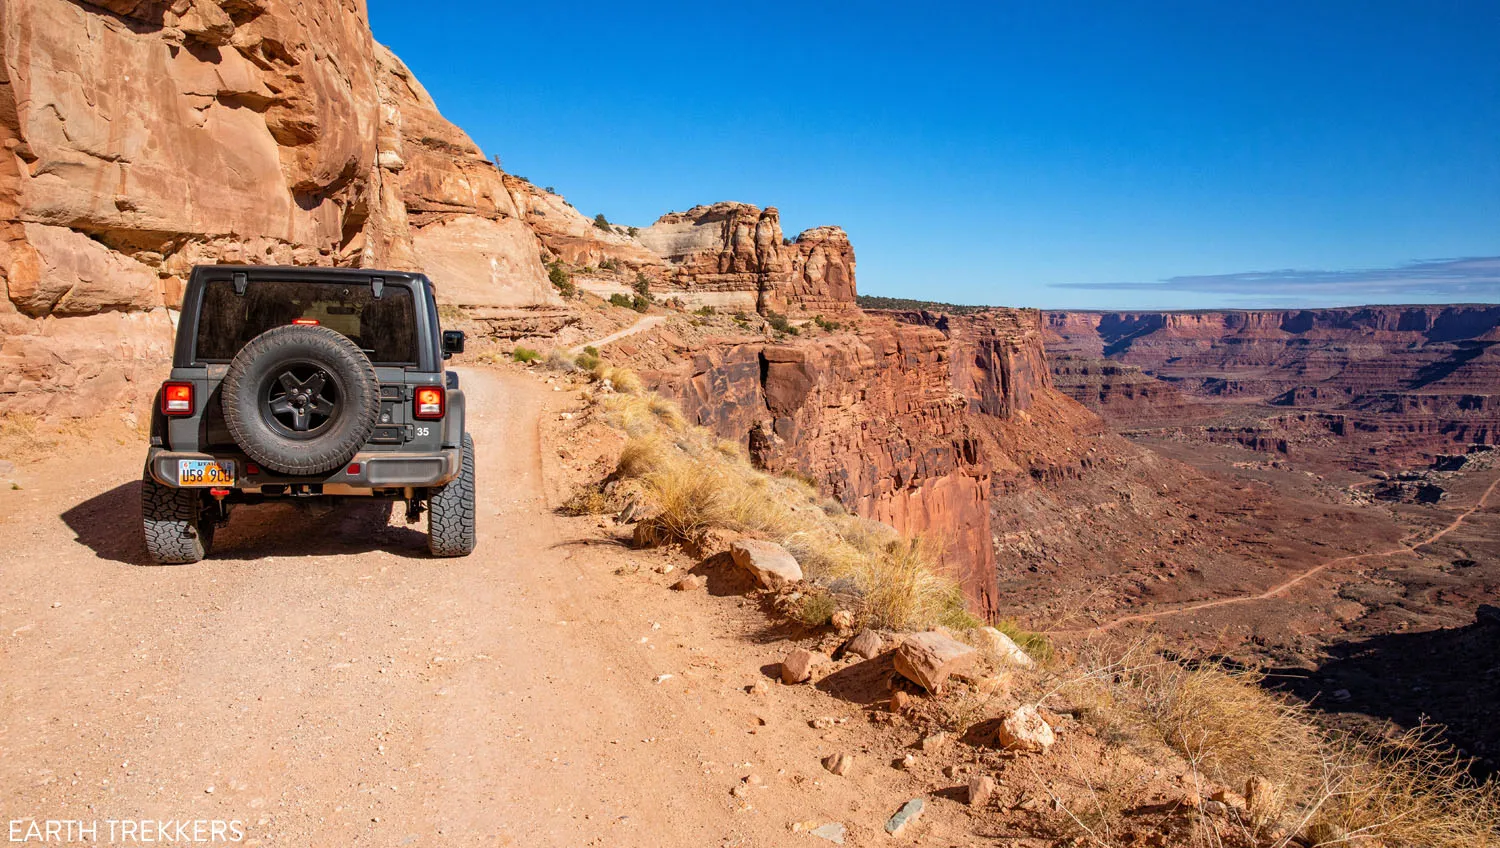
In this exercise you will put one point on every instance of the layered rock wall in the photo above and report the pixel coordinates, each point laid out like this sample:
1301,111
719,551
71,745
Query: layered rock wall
1397,382
141,138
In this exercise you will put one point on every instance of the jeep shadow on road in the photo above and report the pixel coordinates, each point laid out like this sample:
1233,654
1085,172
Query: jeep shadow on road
109,524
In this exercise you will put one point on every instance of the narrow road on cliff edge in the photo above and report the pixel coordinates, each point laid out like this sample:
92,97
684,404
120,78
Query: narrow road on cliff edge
321,681
640,326
1403,548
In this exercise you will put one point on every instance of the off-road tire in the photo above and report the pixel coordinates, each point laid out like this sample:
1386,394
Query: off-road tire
177,529
258,364
450,511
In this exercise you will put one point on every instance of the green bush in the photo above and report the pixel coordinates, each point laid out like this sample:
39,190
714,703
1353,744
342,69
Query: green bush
705,311
826,324
642,285
525,354
591,350
601,222
587,361
609,265
618,299
633,232
640,304
561,279
779,322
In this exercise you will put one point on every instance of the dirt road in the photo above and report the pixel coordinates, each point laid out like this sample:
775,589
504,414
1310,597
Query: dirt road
323,682
640,326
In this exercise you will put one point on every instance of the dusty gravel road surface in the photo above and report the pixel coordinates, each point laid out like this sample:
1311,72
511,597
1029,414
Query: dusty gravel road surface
323,682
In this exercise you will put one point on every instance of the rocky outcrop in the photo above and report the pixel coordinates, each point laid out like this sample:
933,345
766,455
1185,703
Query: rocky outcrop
141,138
734,256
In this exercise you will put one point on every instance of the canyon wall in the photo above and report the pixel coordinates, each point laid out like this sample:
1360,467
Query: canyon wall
1403,382
918,420
141,138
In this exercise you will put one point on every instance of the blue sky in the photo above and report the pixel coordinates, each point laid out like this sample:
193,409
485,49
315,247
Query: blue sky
1110,155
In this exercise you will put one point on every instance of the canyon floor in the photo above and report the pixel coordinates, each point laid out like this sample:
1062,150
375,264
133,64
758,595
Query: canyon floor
323,681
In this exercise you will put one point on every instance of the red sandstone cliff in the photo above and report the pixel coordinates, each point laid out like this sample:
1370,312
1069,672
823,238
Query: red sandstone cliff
141,138
1406,381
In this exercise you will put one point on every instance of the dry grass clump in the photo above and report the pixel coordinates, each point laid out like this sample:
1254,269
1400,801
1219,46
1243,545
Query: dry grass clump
694,481
1328,789
590,500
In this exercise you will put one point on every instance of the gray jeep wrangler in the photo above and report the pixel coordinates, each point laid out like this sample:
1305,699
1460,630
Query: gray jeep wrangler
294,383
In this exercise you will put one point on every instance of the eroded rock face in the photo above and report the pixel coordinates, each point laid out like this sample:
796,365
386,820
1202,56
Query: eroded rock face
141,138
735,256
1406,382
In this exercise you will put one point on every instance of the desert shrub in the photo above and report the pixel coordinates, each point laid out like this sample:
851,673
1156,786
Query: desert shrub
815,607
618,299
1036,645
642,284
780,323
590,500
633,232
705,311
640,303
609,264
449,312
525,354
586,361
695,481
561,280
601,222
826,324
559,360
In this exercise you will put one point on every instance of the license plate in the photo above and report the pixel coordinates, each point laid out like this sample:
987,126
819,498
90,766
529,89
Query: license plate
205,472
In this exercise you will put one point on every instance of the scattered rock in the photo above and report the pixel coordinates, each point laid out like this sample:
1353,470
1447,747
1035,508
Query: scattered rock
840,764
1216,808
833,832
906,762
1262,800
665,568
952,772
981,787
1226,797
759,687
842,620
1341,696
1025,731
867,644
928,659
1002,647
900,701
909,812
688,583
769,563
935,742
825,722
798,665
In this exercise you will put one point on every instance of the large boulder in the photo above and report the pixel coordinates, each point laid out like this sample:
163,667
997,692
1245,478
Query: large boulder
770,564
928,659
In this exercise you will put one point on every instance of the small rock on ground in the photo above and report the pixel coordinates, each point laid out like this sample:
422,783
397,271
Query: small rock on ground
909,812
688,583
1002,647
798,665
981,787
840,764
868,645
1025,731
833,832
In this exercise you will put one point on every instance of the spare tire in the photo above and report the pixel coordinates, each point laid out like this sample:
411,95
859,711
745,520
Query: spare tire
300,399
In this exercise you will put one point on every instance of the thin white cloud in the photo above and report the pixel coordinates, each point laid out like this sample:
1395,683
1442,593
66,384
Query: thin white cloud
1467,280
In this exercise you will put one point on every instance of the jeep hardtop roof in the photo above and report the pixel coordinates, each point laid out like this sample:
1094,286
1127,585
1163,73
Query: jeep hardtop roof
427,330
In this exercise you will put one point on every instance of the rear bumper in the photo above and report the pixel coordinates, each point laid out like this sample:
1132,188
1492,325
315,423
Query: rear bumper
377,470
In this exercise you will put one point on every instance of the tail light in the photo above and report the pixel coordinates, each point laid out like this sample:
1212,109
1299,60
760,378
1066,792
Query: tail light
176,398
430,402
305,322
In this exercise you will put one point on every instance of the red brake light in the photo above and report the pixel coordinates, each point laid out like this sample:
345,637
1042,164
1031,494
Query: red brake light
305,322
176,398
429,402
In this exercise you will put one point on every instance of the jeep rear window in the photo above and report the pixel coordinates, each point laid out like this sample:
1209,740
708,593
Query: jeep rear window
385,328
